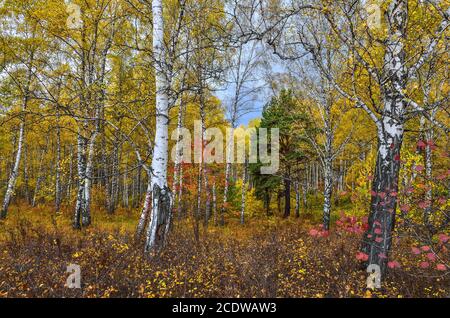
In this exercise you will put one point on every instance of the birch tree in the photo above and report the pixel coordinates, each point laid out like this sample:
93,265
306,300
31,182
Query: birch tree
160,217
327,112
20,55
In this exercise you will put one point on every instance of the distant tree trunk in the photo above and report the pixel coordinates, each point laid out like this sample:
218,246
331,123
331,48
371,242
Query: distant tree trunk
70,177
228,168
114,189
125,193
328,188
58,167
178,158
305,194
39,179
429,175
287,196
198,210
297,199
244,190
180,193
106,174
138,187
208,195
26,177
214,202
327,165
279,194
86,218
82,215
317,177
429,136
267,201
204,169
225,193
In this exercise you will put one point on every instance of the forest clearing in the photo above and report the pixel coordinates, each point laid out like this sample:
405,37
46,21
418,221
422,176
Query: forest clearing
224,149
264,258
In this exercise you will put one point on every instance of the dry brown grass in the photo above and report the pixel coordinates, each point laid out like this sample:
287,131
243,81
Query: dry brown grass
264,258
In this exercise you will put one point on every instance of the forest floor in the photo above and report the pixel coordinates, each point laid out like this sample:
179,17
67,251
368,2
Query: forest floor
263,258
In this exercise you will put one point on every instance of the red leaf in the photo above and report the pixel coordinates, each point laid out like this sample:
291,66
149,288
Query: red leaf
393,264
424,204
415,250
405,208
443,238
441,267
421,144
431,257
425,248
410,190
424,264
378,231
419,168
362,256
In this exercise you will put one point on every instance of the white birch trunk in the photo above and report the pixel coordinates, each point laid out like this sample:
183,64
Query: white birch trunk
10,188
244,191
86,217
70,177
58,168
161,196
125,189
179,154
214,202
81,169
225,193
328,189
390,138
229,158
180,193
14,173
305,194
297,199
429,136
40,177
145,210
